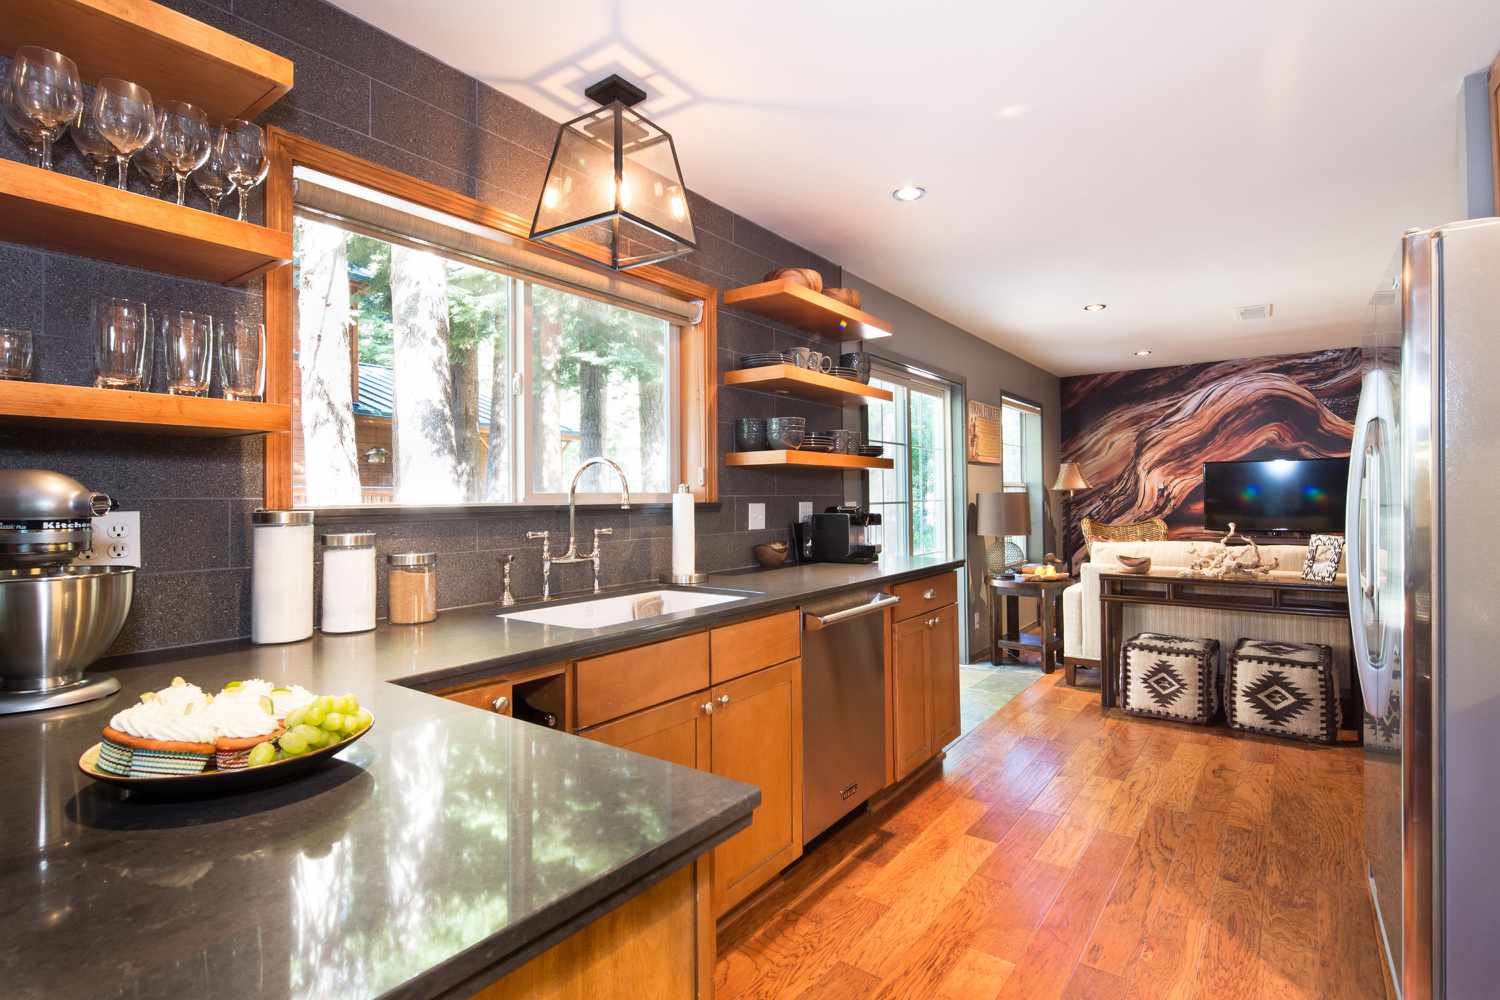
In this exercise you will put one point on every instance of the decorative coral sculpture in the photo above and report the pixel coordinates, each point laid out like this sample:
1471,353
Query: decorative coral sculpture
1224,563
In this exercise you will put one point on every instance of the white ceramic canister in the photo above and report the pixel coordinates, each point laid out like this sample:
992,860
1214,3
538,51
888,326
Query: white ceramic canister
281,580
348,581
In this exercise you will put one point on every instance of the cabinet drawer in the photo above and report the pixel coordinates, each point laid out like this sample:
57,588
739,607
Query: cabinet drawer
491,697
632,679
920,597
740,649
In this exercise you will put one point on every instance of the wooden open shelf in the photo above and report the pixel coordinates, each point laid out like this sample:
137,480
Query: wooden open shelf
789,380
43,208
170,54
812,459
785,301
148,412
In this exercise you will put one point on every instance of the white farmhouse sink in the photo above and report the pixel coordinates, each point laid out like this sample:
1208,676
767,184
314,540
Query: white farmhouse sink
607,611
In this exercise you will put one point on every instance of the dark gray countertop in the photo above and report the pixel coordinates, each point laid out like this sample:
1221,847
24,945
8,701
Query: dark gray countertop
446,847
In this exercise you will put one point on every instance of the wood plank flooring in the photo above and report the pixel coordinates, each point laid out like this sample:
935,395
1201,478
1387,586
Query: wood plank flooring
1060,853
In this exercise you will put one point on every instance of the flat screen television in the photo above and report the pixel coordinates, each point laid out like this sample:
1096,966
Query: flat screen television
1293,495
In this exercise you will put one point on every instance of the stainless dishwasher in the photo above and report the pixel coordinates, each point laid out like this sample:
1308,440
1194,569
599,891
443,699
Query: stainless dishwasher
843,705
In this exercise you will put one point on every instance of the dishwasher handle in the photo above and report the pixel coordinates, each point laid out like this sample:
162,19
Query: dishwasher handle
811,622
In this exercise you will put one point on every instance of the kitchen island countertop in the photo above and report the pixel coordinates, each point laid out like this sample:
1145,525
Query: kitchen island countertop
442,850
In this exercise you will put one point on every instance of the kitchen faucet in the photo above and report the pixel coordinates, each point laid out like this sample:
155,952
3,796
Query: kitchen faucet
573,555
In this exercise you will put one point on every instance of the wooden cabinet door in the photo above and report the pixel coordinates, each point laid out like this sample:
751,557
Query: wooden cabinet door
492,697
757,739
910,695
942,676
677,732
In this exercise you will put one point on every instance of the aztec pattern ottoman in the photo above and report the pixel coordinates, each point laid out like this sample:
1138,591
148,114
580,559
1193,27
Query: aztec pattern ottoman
1283,689
1169,677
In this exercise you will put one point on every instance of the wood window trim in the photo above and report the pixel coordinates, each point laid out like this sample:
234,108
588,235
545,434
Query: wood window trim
1494,84
697,376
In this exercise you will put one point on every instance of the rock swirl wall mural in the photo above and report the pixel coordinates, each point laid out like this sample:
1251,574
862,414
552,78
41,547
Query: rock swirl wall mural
1141,437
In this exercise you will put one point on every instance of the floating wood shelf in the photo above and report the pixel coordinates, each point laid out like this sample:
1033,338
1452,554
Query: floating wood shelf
789,380
812,459
43,208
170,54
785,301
145,412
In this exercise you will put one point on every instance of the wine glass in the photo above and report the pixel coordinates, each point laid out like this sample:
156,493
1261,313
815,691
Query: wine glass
213,177
44,91
244,147
126,118
29,134
91,143
184,136
151,163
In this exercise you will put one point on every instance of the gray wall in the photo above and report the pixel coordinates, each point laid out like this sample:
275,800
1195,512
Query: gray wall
1476,149
365,92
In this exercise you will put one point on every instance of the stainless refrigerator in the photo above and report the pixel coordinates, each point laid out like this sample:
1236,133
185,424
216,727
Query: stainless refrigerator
1424,594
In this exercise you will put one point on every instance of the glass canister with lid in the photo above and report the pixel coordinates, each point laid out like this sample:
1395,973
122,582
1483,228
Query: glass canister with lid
348,581
411,585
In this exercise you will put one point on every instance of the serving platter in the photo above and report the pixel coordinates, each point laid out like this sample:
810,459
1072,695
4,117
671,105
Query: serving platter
216,782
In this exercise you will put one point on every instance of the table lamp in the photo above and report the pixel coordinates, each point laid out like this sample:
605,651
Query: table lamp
1002,515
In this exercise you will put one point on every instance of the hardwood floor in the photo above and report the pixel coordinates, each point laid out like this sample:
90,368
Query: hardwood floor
1061,853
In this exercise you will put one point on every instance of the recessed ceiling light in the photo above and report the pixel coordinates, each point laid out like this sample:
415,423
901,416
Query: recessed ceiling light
1094,307
908,192
1143,354
1013,111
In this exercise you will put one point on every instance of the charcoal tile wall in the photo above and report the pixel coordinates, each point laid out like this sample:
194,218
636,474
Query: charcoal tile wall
363,91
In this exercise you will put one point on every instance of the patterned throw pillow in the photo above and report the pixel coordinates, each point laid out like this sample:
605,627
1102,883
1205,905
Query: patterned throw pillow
1323,554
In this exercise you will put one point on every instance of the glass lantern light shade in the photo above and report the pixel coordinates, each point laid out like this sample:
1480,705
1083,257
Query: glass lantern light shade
614,193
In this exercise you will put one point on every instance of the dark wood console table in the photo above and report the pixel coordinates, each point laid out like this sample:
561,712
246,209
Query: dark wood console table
1166,587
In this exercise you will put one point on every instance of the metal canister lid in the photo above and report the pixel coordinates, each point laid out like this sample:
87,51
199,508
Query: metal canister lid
411,560
281,518
349,540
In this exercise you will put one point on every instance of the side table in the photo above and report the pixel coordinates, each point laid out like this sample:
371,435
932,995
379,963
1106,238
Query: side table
1048,594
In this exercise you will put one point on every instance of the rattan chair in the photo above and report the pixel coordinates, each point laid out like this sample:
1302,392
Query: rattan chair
1151,530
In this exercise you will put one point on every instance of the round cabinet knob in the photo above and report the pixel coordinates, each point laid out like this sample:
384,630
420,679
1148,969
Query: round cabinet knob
929,593
723,699
707,707
500,704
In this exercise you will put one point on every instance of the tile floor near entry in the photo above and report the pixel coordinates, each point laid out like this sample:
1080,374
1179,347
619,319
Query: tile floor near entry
984,688
1062,853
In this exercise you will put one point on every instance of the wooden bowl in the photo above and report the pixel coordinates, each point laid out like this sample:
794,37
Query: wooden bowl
771,554
1135,564
848,296
804,276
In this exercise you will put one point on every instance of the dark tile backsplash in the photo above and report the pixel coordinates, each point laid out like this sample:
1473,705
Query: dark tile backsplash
372,95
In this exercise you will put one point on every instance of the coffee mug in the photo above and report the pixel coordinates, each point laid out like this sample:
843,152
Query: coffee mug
825,363
813,361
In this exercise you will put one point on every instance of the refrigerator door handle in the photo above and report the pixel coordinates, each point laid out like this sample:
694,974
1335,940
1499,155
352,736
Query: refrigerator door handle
1360,516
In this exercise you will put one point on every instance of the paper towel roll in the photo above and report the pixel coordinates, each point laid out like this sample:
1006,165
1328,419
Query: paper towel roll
684,540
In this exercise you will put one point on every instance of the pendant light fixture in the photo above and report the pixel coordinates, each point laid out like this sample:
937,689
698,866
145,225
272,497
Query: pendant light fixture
614,193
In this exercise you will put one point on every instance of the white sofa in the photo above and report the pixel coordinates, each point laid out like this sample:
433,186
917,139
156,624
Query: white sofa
1081,602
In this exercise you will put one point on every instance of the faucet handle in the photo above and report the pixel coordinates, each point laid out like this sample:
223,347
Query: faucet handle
507,559
603,531
543,535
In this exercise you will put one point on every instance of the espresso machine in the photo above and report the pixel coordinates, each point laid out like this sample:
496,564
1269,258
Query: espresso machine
844,534
56,618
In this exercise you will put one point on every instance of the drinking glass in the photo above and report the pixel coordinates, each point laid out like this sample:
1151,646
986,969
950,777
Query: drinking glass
121,331
29,134
126,118
184,137
15,354
91,143
213,177
188,340
44,91
151,163
242,358
244,147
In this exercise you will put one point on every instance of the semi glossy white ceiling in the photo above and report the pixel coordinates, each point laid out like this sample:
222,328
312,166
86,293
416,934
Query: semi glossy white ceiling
1174,159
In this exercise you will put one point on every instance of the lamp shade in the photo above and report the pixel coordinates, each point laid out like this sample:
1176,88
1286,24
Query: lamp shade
1002,514
614,193
1070,478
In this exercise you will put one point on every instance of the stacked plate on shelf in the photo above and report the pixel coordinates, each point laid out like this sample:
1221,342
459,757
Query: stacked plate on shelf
763,360
871,450
820,441
839,371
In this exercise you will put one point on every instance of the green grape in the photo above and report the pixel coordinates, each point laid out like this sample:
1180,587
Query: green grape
346,704
333,722
364,718
352,724
293,742
296,717
324,702
262,753
313,714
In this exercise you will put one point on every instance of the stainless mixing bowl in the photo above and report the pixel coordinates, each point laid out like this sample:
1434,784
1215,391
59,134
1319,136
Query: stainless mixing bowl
53,624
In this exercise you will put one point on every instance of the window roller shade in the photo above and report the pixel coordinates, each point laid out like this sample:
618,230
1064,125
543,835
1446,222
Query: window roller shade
388,222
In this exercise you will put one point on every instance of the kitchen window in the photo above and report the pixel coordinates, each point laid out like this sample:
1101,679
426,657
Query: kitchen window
915,426
438,362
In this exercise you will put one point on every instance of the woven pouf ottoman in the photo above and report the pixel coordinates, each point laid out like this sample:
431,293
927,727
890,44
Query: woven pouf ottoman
1170,677
1283,689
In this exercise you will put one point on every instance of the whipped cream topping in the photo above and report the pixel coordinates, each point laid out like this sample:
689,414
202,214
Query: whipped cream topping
237,718
181,697
159,720
251,690
288,700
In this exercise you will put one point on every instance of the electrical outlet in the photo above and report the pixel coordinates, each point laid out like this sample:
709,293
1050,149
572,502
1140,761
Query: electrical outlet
755,513
116,540
804,510
976,621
